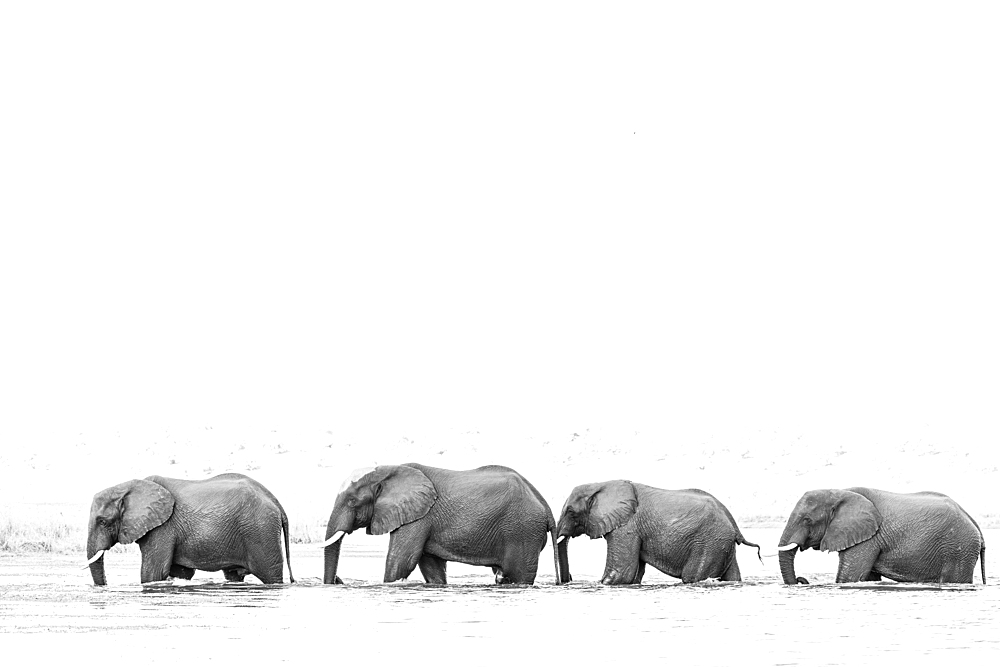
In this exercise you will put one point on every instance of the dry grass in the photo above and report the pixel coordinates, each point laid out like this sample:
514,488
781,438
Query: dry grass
30,528
761,521
34,529
301,532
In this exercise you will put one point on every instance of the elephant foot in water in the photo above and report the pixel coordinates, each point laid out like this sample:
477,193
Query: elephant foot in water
615,578
236,573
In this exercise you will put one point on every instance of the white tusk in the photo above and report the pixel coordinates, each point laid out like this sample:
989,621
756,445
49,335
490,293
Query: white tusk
560,539
333,538
788,547
93,560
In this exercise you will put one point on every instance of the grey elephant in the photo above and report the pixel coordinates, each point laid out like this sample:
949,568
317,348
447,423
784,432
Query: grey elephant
686,534
229,522
490,516
912,537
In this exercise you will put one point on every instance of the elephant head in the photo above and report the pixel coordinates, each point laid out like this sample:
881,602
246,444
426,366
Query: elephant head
121,515
828,520
380,499
597,509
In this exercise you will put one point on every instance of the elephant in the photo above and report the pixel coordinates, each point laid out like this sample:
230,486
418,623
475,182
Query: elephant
489,516
229,522
685,533
907,537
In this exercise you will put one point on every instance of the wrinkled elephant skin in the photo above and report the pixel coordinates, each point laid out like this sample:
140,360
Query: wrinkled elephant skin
229,522
686,534
490,516
907,537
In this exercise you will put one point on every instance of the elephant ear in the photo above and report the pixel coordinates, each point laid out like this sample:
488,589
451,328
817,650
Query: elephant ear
145,506
611,506
405,495
855,519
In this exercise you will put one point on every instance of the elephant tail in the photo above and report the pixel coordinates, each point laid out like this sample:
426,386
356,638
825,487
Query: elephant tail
982,561
288,550
742,540
739,535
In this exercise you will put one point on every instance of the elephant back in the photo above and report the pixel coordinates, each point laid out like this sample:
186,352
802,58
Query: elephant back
686,511
930,509
494,495
219,496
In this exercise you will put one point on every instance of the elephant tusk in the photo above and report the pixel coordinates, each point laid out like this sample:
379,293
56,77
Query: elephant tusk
560,539
333,538
94,559
788,547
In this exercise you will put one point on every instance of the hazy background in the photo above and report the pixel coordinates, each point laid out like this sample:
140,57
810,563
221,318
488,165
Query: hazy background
372,231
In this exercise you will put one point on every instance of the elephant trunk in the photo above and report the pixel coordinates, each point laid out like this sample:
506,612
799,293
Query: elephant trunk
560,544
792,540
331,553
786,561
96,544
563,549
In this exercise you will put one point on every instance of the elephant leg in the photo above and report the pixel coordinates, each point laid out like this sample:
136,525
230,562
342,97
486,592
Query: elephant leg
268,574
433,569
872,576
697,567
263,557
235,573
732,572
406,546
181,572
709,560
639,573
153,569
623,563
520,564
856,562
157,548
956,572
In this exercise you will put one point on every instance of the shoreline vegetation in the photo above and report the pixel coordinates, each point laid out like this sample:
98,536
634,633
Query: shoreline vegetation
54,532
46,484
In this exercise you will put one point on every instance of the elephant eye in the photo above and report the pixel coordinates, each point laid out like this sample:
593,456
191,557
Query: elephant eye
351,502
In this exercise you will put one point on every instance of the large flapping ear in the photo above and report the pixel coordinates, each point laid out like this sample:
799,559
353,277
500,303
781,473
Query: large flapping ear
404,495
145,506
612,505
855,519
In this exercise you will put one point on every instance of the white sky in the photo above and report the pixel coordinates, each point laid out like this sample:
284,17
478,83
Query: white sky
348,213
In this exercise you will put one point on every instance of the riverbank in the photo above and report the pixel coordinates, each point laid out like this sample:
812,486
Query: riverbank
45,488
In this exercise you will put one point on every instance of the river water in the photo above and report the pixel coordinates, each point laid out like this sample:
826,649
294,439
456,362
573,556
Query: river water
48,606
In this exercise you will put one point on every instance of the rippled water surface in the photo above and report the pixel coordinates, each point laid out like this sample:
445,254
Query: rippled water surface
48,604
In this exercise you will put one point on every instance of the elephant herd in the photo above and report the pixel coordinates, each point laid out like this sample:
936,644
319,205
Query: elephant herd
494,517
